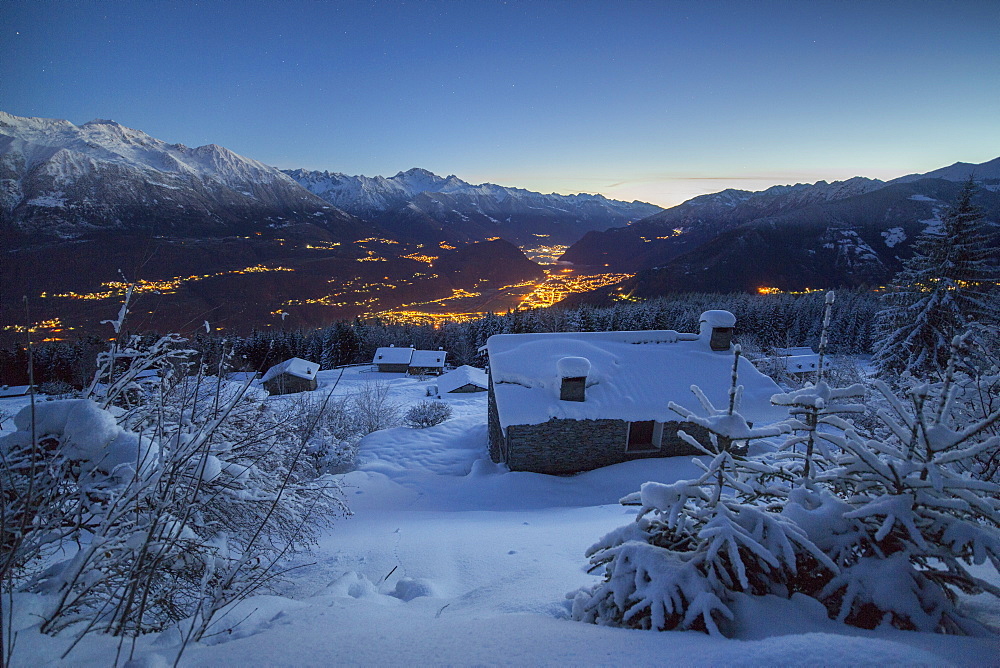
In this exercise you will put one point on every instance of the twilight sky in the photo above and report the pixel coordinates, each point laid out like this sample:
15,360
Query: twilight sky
655,100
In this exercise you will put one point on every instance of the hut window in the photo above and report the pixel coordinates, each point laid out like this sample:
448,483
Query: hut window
643,436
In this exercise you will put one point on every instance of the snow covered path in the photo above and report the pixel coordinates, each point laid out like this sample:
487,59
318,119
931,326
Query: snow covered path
451,560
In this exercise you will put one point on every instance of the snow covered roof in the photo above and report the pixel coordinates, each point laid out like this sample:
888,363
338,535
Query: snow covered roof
633,376
573,367
718,319
14,390
802,363
428,358
795,350
460,377
392,355
295,366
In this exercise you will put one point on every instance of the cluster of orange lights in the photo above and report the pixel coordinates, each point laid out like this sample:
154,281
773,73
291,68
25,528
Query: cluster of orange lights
778,291
544,254
420,257
559,285
50,326
165,286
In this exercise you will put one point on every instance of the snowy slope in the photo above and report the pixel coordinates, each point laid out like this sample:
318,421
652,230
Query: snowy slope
449,559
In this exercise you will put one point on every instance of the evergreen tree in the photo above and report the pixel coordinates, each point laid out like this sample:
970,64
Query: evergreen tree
941,290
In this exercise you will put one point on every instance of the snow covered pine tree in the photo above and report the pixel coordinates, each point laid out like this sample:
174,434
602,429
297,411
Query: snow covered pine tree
879,530
698,542
949,283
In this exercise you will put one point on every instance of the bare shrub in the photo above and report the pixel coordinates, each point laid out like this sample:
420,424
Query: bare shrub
329,428
372,408
427,414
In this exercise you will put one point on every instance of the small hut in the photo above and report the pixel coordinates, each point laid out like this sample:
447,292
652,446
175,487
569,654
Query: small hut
463,379
292,375
799,361
11,391
567,402
392,359
427,363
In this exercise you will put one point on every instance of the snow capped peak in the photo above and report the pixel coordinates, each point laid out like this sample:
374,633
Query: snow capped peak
417,171
107,141
426,192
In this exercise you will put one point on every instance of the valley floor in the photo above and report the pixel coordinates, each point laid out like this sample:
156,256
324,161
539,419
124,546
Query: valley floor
449,559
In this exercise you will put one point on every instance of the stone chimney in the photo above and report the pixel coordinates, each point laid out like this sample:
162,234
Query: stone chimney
717,329
573,373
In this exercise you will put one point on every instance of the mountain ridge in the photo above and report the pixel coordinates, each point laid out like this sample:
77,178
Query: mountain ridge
823,235
418,204
63,181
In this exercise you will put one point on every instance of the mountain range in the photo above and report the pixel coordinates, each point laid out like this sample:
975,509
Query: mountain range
417,205
60,181
823,235
224,237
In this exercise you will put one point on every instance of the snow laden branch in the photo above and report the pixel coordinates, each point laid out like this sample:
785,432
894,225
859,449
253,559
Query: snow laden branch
881,527
696,543
156,499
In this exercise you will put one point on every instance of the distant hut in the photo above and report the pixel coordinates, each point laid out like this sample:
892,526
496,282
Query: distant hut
11,391
427,363
799,361
462,380
393,359
292,375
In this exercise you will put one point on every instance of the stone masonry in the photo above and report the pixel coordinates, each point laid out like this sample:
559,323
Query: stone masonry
569,446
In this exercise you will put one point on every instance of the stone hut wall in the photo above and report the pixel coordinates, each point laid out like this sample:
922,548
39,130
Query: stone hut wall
498,444
424,370
287,384
468,387
569,446
393,368
566,446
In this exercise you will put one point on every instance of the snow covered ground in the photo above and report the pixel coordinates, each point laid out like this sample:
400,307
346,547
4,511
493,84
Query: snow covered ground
449,559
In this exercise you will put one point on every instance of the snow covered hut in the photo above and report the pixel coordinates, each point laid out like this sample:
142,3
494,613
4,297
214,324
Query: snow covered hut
463,379
427,363
292,375
11,391
569,402
392,359
799,360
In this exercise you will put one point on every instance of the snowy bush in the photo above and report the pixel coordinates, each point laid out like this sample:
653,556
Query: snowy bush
689,550
372,408
427,414
818,414
5,415
56,388
130,517
330,429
